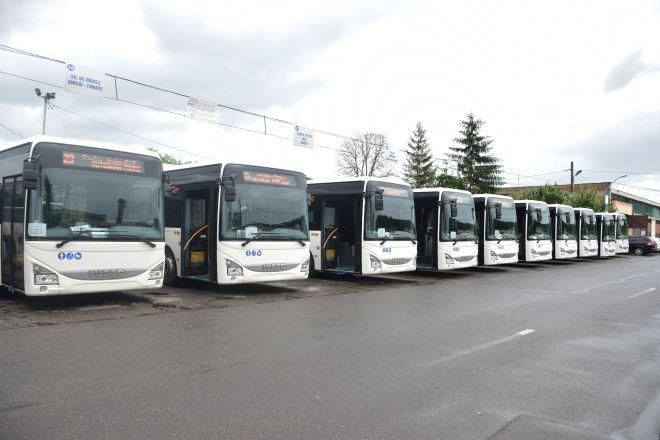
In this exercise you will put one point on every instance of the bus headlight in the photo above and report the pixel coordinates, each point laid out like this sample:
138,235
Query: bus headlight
233,269
562,251
534,254
44,276
449,260
305,266
156,272
493,256
375,262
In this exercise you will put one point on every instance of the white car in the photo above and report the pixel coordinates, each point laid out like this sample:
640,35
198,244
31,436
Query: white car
657,243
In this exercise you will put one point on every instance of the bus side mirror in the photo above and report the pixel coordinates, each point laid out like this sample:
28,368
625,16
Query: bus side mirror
539,215
30,175
453,208
568,217
498,211
378,201
230,193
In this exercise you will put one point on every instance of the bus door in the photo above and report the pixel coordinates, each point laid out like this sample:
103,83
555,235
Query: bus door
341,234
198,234
426,217
13,206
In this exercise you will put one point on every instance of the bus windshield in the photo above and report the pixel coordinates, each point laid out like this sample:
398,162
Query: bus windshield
462,226
397,219
270,205
503,228
608,229
538,218
588,226
95,194
622,227
565,224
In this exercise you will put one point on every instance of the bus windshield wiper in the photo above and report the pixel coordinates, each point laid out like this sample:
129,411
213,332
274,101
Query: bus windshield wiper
73,237
393,234
143,240
272,234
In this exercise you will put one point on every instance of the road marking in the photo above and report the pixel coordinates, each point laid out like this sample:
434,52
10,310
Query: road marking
616,281
643,292
461,353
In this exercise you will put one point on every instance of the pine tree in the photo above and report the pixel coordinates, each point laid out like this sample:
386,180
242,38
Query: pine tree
473,155
419,170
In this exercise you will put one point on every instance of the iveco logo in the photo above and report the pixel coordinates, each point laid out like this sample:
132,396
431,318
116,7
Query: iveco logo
102,274
273,267
398,260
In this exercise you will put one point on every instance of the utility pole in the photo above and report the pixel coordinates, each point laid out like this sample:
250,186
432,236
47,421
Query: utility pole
46,97
572,176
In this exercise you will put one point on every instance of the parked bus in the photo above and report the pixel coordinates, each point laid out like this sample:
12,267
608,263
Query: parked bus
496,226
363,225
80,217
235,224
564,241
446,229
587,233
621,233
534,229
605,225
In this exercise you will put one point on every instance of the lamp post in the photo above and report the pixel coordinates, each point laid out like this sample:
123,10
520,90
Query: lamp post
609,193
46,97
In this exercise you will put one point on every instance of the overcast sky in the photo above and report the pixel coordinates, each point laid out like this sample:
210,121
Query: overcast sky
555,81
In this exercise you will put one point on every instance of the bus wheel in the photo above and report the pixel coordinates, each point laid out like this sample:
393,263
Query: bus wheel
170,268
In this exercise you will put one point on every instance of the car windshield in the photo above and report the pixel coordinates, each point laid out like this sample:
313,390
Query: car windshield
503,228
461,226
622,227
538,225
608,229
588,226
565,224
396,221
269,205
95,197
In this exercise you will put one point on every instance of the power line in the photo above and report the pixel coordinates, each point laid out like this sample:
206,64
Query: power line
622,172
11,131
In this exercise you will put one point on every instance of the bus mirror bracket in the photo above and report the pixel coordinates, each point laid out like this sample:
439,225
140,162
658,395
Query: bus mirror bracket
30,174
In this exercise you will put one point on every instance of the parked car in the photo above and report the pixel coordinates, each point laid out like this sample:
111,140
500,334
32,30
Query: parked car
642,245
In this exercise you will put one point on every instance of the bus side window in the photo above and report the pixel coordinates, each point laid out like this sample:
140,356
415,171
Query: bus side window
173,209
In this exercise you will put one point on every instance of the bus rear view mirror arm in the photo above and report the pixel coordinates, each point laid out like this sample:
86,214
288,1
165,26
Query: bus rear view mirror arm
30,175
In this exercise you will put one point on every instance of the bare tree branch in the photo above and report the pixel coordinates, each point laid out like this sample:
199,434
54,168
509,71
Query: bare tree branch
364,155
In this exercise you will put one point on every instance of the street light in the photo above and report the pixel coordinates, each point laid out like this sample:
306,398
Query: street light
46,97
609,193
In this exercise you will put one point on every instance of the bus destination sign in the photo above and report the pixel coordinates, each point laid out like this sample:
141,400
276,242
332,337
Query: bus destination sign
268,178
103,163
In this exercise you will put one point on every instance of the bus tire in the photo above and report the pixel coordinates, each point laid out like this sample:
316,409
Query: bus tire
170,268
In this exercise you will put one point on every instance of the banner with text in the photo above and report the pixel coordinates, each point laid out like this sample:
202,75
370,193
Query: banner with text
202,110
84,81
303,137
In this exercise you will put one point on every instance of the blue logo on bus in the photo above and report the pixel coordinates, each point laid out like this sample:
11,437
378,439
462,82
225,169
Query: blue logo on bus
71,67
387,250
77,256
253,253
69,255
61,255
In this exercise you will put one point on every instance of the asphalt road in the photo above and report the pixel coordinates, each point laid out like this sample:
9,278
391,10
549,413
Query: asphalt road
556,351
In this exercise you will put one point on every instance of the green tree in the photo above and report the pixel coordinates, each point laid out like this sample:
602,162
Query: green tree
419,170
445,180
587,198
168,158
477,166
546,193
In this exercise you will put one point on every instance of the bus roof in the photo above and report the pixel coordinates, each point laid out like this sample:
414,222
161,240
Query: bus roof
83,143
440,189
583,209
540,202
559,205
359,179
494,196
186,166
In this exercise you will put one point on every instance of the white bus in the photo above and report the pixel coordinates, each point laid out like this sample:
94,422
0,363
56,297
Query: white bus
446,229
621,233
534,229
235,224
80,217
605,226
362,225
496,226
587,233
564,241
